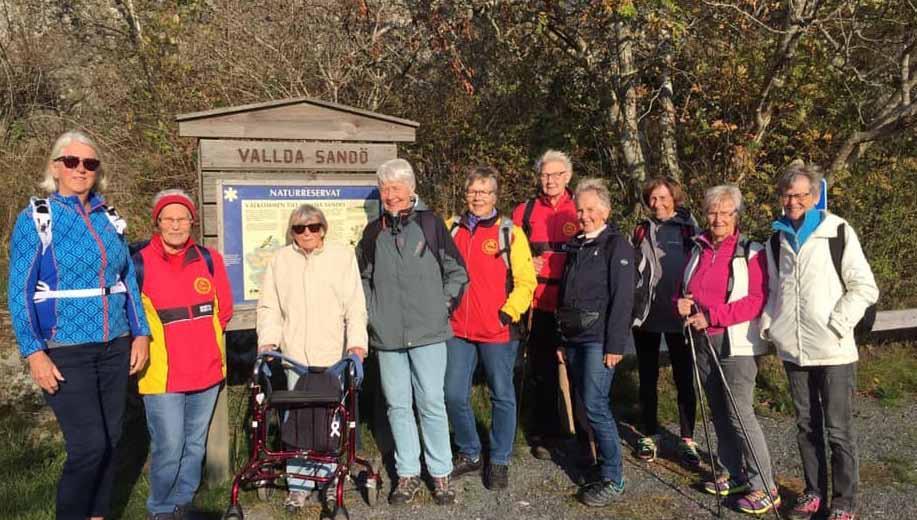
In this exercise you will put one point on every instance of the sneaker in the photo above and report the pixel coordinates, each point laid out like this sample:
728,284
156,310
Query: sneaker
183,512
758,502
540,452
405,491
296,500
496,477
160,516
463,464
687,450
725,486
806,507
602,493
442,495
646,449
841,514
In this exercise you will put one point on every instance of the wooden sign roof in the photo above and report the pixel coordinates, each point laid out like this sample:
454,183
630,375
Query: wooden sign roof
297,118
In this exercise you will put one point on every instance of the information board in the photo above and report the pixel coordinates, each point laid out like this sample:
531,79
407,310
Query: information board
254,218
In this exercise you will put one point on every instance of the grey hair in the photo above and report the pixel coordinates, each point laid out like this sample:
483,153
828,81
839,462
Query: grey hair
483,173
49,183
553,156
798,169
397,170
302,214
596,186
718,194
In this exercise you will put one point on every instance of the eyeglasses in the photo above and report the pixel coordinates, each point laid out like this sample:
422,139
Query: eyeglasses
787,197
553,176
72,161
721,214
299,229
478,193
181,221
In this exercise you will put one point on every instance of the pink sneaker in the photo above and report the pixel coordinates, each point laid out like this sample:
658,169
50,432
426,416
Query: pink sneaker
840,514
806,506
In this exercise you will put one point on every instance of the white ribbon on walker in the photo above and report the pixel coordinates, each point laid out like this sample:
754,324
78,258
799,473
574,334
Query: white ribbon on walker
336,427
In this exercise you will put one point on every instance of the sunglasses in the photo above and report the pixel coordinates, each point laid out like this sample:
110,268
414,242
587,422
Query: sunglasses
72,161
299,229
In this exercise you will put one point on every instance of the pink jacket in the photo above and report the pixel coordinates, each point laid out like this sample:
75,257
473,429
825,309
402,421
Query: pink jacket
708,284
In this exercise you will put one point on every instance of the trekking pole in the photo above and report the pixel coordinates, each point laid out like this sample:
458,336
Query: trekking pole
735,410
703,412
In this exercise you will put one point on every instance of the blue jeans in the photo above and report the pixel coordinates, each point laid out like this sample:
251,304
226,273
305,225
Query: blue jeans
498,360
89,406
592,380
417,376
303,466
178,424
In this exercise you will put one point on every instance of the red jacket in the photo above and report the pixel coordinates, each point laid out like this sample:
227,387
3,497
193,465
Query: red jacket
551,228
477,317
187,308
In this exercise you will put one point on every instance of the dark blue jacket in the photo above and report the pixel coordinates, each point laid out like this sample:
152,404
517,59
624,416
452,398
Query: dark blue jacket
599,277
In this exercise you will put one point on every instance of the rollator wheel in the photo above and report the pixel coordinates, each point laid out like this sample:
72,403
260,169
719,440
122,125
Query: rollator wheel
371,486
265,490
234,513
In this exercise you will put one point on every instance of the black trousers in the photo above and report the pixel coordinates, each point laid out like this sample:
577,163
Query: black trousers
89,406
544,388
647,345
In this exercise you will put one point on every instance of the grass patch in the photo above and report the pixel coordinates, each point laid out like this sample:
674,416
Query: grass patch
888,372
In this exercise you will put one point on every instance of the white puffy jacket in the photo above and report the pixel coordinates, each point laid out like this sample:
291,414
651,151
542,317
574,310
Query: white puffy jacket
808,315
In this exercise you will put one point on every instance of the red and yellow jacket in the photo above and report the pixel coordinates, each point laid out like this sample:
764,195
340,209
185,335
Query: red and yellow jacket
491,291
188,308
549,228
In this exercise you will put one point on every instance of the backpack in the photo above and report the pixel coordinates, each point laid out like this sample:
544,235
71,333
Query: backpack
836,245
41,216
138,259
430,225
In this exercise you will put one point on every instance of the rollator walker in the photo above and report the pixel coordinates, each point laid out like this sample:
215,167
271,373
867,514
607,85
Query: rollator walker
331,407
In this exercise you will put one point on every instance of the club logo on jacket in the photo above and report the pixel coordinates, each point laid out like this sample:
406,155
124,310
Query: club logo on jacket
202,285
569,229
490,246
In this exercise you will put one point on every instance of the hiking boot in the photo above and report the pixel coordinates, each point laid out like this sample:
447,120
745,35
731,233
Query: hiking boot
806,507
841,514
405,491
725,486
646,449
540,452
442,495
296,500
160,516
687,451
496,477
757,502
183,512
602,493
463,464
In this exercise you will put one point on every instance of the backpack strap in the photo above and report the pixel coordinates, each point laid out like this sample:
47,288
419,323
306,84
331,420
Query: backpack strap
640,232
117,222
205,254
837,244
41,216
527,218
135,248
431,233
775,250
743,246
505,240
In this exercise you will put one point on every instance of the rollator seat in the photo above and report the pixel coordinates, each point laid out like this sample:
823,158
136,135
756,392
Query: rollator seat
297,398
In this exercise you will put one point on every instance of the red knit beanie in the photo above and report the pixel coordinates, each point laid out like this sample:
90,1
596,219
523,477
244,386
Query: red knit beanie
174,198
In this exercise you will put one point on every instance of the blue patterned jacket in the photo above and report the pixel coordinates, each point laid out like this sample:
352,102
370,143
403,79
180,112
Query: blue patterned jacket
85,252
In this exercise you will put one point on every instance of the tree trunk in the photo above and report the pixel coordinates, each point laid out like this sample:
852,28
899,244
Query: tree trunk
628,127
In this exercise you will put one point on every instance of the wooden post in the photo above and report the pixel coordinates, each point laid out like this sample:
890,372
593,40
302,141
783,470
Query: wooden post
217,467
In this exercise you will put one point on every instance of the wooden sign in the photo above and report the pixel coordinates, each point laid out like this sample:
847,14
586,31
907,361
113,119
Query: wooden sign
291,155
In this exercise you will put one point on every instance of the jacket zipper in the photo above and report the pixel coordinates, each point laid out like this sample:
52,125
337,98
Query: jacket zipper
104,256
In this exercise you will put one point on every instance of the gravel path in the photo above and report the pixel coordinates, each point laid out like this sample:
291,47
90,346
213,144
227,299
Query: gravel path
663,489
